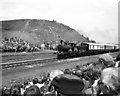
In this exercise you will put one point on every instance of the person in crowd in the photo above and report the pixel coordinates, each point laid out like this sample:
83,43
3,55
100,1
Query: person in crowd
109,82
5,92
111,78
69,85
43,46
67,71
26,84
51,76
37,83
106,60
118,57
79,73
55,73
44,80
32,91
15,90
117,61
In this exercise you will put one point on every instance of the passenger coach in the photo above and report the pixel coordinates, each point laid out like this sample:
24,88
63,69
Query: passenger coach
98,47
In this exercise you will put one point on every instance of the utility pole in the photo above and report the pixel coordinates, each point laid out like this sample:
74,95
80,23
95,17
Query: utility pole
119,24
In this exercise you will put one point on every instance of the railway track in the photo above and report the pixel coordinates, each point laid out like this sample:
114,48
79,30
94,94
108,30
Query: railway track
14,57
26,62
33,62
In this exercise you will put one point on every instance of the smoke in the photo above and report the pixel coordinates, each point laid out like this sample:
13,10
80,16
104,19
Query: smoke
102,36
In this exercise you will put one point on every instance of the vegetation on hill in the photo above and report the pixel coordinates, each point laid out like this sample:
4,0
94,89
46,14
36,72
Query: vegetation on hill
39,31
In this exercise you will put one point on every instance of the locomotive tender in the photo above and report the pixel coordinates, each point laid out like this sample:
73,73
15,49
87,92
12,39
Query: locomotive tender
71,50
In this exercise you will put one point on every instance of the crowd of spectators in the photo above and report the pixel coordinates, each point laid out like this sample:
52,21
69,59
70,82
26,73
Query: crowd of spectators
96,79
14,44
51,45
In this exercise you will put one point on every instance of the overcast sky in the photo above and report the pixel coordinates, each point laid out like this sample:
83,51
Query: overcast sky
97,19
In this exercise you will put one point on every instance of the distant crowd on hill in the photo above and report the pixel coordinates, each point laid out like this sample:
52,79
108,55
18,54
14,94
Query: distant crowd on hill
93,79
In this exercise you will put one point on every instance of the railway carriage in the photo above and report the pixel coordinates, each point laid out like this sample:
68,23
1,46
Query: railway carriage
96,48
93,46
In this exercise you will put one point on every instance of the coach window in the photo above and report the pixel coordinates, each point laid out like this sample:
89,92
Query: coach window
90,47
97,46
105,46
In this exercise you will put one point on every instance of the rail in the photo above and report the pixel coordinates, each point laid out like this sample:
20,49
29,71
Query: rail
26,56
34,61
26,62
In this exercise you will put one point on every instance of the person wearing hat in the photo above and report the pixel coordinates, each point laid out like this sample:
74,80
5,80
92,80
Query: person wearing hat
32,91
118,57
106,60
109,82
68,85
54,73
67,71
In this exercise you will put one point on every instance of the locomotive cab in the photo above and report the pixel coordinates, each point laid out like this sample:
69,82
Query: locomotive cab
85,46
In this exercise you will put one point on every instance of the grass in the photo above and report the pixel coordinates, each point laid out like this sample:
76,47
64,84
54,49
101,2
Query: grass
37,31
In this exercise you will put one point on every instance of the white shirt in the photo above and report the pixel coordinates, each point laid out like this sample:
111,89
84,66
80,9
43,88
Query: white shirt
117,64
39,85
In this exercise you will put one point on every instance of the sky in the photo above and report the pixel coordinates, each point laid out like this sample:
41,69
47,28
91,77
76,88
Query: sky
96,19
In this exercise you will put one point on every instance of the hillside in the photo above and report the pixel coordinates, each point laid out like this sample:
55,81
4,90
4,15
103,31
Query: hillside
38,31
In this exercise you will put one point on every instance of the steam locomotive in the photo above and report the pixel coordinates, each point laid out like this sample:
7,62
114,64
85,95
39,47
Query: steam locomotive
71,50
